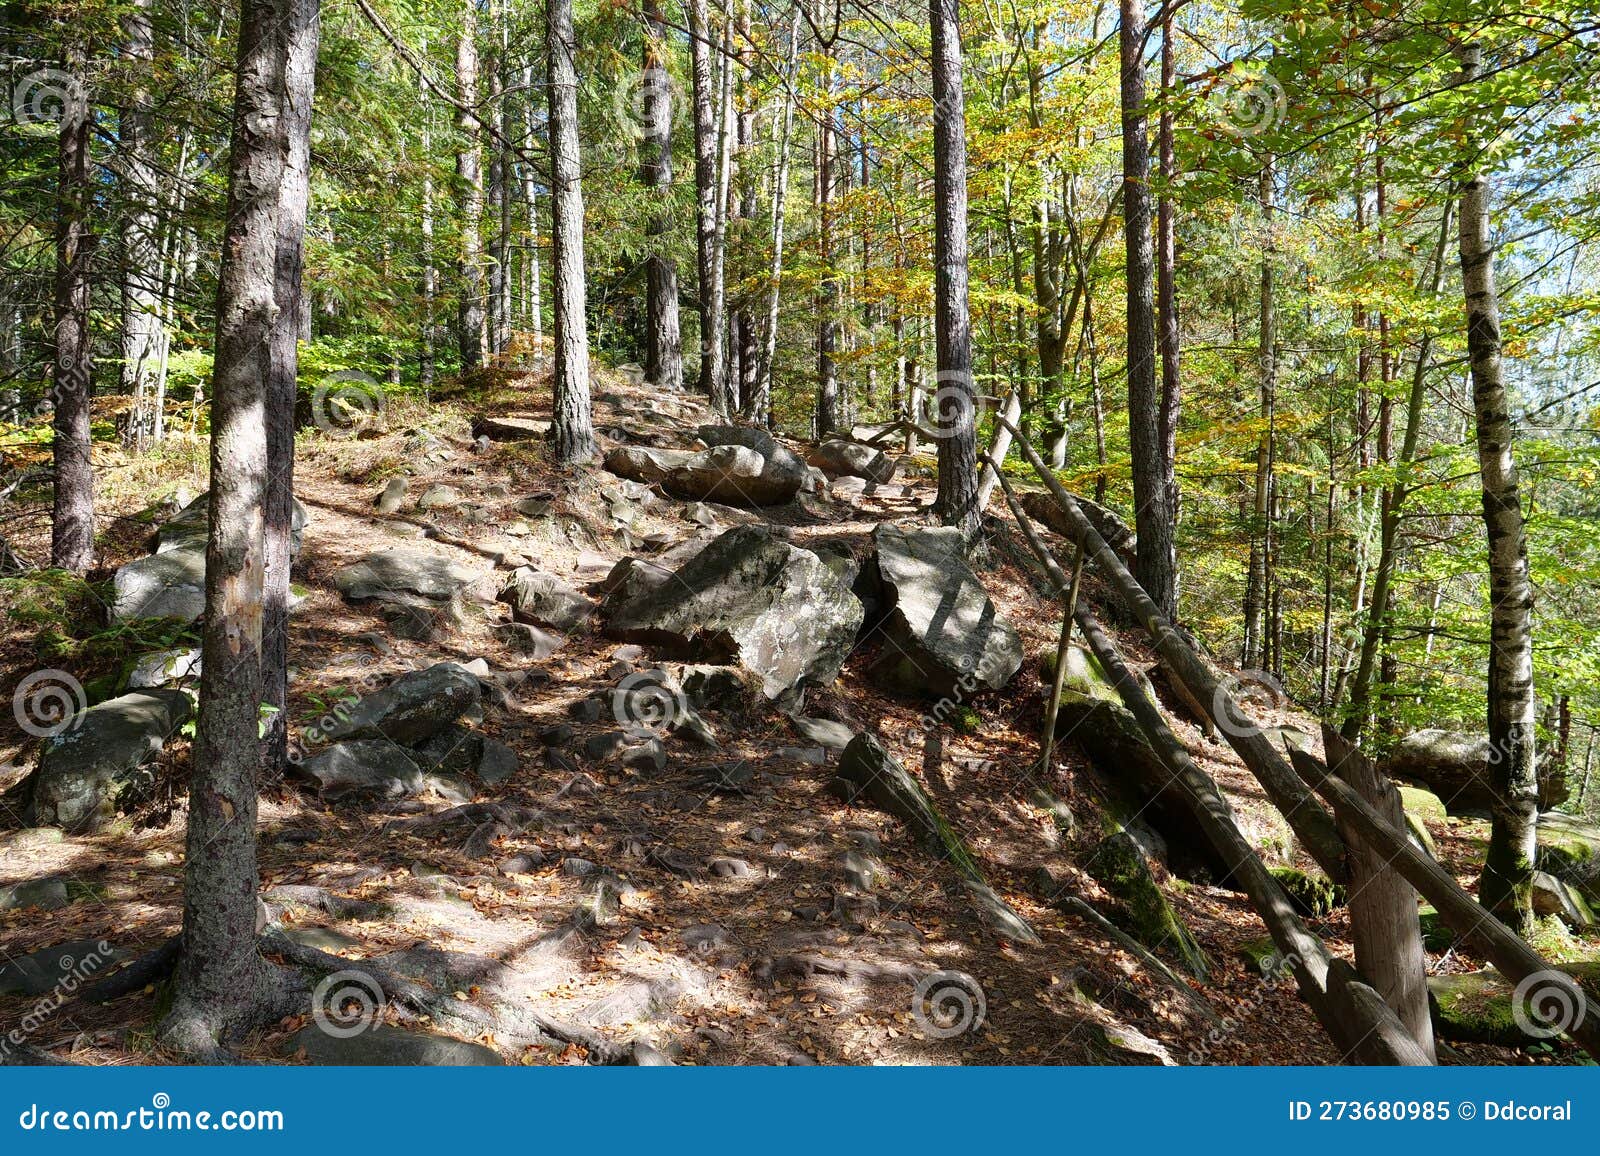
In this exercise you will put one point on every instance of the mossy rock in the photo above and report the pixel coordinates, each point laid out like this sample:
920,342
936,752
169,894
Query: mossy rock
1313,896
1259,955
1476,1007
1569,849
1119,866
1436,934
1084,676
1422,803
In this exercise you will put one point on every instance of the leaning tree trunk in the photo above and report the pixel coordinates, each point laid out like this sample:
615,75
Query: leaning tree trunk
143,333
72,519
302,20
471,323
1153,516
222,983
574,431
956,398
1506,885
663,357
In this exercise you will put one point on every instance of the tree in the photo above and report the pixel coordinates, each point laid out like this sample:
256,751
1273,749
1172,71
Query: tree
663,359
471,319
222,984
143,331
1153,514
956,399
574,432
707,211
72,520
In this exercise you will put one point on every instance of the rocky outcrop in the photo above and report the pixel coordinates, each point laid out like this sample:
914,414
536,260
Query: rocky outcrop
840,458
1457,767
640,464
743,467
753,599
89,770
942,634
545,600
417,591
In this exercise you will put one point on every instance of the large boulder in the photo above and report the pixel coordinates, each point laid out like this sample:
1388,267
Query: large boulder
364,767
840,458
417,590
751,598
413,708
942,635
544,600
171,584
641,464
1457,767
743,467
1569,849
191,524
86,770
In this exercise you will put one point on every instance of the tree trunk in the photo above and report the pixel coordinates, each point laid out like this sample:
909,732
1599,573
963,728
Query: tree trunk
705,185
1255,594
574,431
471,324
499,188
1168,334
827,411
1153,516
72,519
955,401
143,334
1506,884
723,398
222,984
530,193
430,275
741,323
758,404
301,28
663,357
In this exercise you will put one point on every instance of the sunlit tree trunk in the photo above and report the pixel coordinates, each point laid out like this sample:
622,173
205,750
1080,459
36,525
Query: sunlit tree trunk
574,430
143,333
72,516
471,323
663,359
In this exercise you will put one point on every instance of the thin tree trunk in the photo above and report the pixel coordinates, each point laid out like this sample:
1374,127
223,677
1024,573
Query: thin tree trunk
1153,517
143,334
663,358
955,402
471,323
499,187
705,184
222,984
531,194
741,324
1168,332
1506,884
1255,594
827,410
574,430
758,405
430,274
723,398
72,517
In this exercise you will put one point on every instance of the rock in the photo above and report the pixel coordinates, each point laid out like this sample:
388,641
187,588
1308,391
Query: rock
839,457
545,600
457,751
751,598
45,894
167,585
1119,866
1477,1006
1569,849
641,464
646,755
1422,807
716,687
1456,767
385,1046
523,863
536,506
41,972
1552,896
1313,896
728,868
165,667
743,467
87,770
858,871
811,756
392,496
943,637
823,732
413,708
526,638
362,767
190,526
403,569
439,497
510,428
629,579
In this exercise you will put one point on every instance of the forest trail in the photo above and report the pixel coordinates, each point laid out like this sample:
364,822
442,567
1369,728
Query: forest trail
741,916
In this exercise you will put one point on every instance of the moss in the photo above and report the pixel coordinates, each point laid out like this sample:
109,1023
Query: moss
1436,935
1474,1008
1259,955
1423,804
965,721
1313,896
1119,866
1550,938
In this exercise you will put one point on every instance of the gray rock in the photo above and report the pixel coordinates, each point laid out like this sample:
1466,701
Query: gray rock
545,600
839,457
766,474
165,667
629,579
392,496
190,526
403,569
751,598
45,894
943,636
166,585
833,736
457,751
641,464
413,708
716,687
729,868
858,871
536,506
86,770
385,1046
526,638
41,972
1457,768
439,497
510,428
363,767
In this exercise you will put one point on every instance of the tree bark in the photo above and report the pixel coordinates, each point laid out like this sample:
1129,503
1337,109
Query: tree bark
574,430
955,401
827,410
758,403
1153,517
705,185
1255,594
430,274
471,322
663,358
1506,886
222,984
1168,334
143,334
72,517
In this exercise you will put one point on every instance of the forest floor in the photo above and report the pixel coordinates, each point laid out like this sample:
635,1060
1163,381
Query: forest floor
702,967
